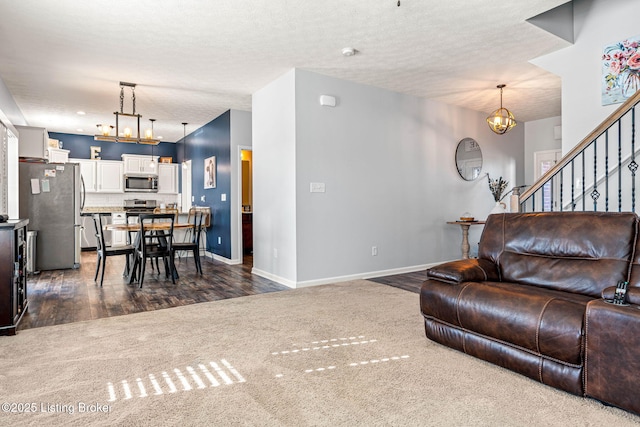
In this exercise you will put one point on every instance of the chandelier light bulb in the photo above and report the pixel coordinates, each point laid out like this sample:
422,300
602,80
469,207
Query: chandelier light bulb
127,132
501,120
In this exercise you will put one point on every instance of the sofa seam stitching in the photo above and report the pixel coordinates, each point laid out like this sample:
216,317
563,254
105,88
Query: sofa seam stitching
540,364
464,344
508,344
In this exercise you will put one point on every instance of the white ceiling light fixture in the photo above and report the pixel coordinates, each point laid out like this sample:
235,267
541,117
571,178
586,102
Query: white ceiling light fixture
127,134
501,121
348,51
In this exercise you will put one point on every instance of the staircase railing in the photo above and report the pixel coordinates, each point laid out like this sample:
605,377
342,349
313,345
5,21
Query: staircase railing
598,174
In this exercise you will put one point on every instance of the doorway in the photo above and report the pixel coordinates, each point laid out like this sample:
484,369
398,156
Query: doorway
246,161
543,161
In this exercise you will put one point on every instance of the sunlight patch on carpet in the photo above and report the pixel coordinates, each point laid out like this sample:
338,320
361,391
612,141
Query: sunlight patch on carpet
214,375
327,344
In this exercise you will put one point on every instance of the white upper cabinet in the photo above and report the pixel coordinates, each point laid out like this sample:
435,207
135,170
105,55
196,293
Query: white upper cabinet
88,172
137,164
167,178
109,176
101,176
58,155
33,142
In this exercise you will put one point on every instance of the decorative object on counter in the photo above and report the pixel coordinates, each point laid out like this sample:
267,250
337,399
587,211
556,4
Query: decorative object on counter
468,159
501,121
166,159
127,136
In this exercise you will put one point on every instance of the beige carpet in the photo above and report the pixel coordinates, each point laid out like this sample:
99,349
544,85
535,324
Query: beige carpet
349,354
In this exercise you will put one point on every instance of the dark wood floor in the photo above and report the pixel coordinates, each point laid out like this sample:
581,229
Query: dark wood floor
65,296
407,281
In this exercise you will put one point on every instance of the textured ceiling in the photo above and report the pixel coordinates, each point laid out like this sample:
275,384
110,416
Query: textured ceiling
194,59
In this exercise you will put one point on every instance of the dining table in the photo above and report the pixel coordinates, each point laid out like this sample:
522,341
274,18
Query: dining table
135,227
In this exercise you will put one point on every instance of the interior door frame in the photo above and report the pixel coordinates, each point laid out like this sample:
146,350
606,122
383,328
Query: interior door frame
238,198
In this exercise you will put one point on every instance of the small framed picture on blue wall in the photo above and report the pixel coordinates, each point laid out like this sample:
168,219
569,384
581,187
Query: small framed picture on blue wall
210,172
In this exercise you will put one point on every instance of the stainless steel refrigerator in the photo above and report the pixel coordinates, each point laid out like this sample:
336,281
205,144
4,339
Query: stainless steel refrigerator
50,196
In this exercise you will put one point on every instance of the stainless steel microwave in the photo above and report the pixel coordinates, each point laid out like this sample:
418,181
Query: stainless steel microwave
141,183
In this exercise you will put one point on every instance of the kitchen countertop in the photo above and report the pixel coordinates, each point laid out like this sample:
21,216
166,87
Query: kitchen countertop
90,210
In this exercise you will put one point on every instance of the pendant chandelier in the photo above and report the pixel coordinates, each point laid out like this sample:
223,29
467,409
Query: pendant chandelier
104,131
501,121
184,145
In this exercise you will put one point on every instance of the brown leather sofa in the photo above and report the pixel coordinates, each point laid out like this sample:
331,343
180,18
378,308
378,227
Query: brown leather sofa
532,301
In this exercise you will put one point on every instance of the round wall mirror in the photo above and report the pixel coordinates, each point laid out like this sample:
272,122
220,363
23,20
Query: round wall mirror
468,159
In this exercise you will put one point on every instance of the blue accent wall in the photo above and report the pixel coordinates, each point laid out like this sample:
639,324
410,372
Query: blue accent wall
213,139
79,147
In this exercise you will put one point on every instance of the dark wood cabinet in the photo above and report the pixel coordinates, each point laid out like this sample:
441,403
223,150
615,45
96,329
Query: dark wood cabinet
13,274
247,233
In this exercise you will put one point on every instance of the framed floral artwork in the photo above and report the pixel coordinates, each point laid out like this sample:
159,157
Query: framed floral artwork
210,172
620,70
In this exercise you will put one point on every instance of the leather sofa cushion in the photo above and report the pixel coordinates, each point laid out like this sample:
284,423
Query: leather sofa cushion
541,321
580,252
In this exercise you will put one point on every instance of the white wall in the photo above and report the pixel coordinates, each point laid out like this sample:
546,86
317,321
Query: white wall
597,23
274,180
240,138
387,161
539,136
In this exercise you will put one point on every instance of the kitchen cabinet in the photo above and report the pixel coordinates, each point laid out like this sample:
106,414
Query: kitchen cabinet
168,178
137,164
101,176
88,172
13,274
109,176
118,238
33,142
58,155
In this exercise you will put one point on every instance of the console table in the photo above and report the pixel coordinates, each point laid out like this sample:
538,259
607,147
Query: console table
13,277
464,225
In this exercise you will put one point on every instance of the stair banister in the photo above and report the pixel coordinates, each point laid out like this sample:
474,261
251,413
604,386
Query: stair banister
575,151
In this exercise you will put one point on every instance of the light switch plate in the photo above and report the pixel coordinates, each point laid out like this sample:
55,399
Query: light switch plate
317,187
223,197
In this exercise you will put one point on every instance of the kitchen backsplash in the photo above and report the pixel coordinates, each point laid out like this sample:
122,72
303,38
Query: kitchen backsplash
117,199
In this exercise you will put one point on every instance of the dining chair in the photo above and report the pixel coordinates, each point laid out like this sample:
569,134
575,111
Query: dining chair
194,244
103,250
156,240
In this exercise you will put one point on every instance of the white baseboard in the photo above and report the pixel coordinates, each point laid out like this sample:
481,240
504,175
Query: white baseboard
222,259
337,279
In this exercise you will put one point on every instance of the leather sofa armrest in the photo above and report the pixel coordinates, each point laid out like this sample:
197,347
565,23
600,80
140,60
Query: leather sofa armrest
465,270
633,294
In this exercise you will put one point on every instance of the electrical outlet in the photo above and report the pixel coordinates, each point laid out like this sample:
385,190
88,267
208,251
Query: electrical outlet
193,198
219,240
374,251
223,197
